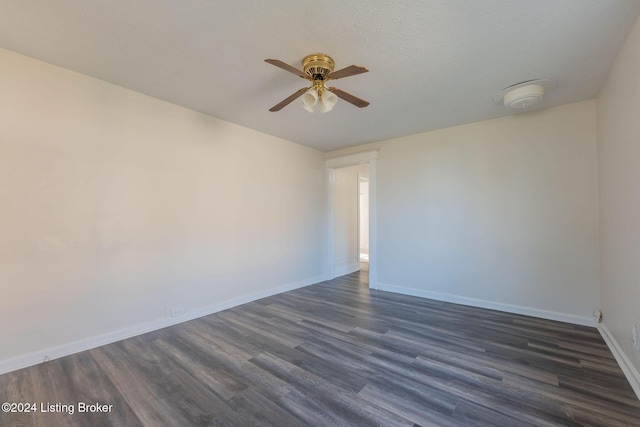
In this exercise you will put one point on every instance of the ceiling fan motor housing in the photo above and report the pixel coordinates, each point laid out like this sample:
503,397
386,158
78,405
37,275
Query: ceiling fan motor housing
317,66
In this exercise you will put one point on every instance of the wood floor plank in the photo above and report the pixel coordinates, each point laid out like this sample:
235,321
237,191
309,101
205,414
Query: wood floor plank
137,390
339,403
216,379
417,412
339,354
17,387
88,381
54,397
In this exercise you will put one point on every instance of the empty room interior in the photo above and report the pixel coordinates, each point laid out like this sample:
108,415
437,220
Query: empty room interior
292,213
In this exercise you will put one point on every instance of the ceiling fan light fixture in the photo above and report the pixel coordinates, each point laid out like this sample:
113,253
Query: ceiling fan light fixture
310,99
318,69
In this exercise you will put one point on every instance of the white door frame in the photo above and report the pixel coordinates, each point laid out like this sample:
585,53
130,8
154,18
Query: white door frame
342,162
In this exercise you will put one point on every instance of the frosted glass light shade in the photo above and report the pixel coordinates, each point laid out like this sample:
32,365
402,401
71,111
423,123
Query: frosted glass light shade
328,101
310,99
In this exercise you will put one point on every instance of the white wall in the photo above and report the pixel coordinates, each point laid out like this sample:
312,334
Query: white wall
500,213
619,179
114,205
346,257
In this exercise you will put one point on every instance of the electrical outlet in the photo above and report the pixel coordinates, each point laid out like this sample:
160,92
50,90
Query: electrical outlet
597,315
174,311
634,337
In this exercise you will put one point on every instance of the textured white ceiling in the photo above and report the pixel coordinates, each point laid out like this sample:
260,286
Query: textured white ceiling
433,63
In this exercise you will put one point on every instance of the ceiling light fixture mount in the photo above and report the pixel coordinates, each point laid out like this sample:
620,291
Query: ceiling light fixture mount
318,66
318,69
525,94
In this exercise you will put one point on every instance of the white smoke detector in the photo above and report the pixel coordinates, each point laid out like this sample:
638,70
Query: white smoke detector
523,95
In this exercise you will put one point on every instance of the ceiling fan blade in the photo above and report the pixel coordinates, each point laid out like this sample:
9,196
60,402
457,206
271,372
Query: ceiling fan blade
349,98
288,100
351,70
286,67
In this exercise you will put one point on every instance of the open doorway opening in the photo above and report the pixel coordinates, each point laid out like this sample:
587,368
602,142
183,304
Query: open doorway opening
343,251
348,213
363,216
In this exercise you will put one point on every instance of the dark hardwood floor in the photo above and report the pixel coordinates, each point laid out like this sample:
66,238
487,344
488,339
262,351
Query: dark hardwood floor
333,354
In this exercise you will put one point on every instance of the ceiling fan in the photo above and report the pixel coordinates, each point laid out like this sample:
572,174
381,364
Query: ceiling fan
318,69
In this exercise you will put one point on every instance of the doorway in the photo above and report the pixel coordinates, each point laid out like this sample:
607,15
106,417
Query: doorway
363,216
343,251
347,219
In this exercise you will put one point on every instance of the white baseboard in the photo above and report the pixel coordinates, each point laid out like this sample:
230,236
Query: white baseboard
509,308
629,370
67,349
346,269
